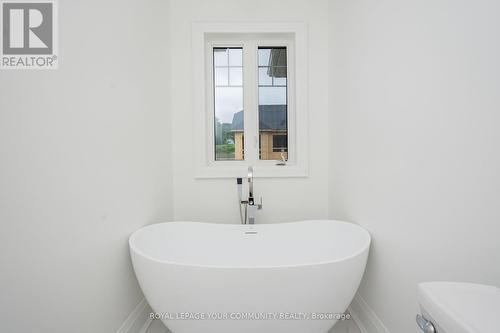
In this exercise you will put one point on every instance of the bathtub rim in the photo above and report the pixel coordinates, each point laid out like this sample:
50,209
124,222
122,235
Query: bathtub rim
365,248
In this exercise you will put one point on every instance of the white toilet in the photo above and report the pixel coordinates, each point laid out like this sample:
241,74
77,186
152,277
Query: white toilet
452,307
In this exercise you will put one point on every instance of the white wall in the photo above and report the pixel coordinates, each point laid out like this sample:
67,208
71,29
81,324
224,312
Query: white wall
408,116
84,161
215,199
415,143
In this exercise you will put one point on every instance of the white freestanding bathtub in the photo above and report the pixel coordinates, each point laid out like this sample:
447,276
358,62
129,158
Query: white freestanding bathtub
266,278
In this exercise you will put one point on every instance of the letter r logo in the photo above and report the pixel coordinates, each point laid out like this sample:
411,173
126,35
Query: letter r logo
27,28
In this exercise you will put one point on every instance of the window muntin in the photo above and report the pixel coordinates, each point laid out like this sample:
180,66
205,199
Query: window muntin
273,102
228,103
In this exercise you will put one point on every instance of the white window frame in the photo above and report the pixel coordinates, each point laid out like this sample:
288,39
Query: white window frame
249,35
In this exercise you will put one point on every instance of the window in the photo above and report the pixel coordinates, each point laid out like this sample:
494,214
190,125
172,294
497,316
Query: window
273,117
250,105
270,108
228,103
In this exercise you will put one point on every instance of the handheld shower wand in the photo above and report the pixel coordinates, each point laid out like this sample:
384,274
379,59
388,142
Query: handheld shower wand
239,188
250,186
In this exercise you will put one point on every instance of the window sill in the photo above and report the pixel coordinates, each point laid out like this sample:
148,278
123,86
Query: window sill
260,171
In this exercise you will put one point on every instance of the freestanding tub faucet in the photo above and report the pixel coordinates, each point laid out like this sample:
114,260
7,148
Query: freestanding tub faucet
248,206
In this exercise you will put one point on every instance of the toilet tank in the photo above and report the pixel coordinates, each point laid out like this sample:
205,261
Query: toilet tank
454,307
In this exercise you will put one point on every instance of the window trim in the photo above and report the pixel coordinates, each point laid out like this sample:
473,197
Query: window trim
205,36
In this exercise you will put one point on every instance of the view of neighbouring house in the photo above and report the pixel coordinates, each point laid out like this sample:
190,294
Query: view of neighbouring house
273,143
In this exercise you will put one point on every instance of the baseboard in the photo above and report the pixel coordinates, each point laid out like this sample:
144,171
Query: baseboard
364,316
366,319
138,320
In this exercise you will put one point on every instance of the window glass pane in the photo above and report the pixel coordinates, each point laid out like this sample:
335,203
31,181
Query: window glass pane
279,76
220,57
236,57
278,57
264,78
277,71
280,143
264,55
221,78
272,96
228,104
236,76
273,105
